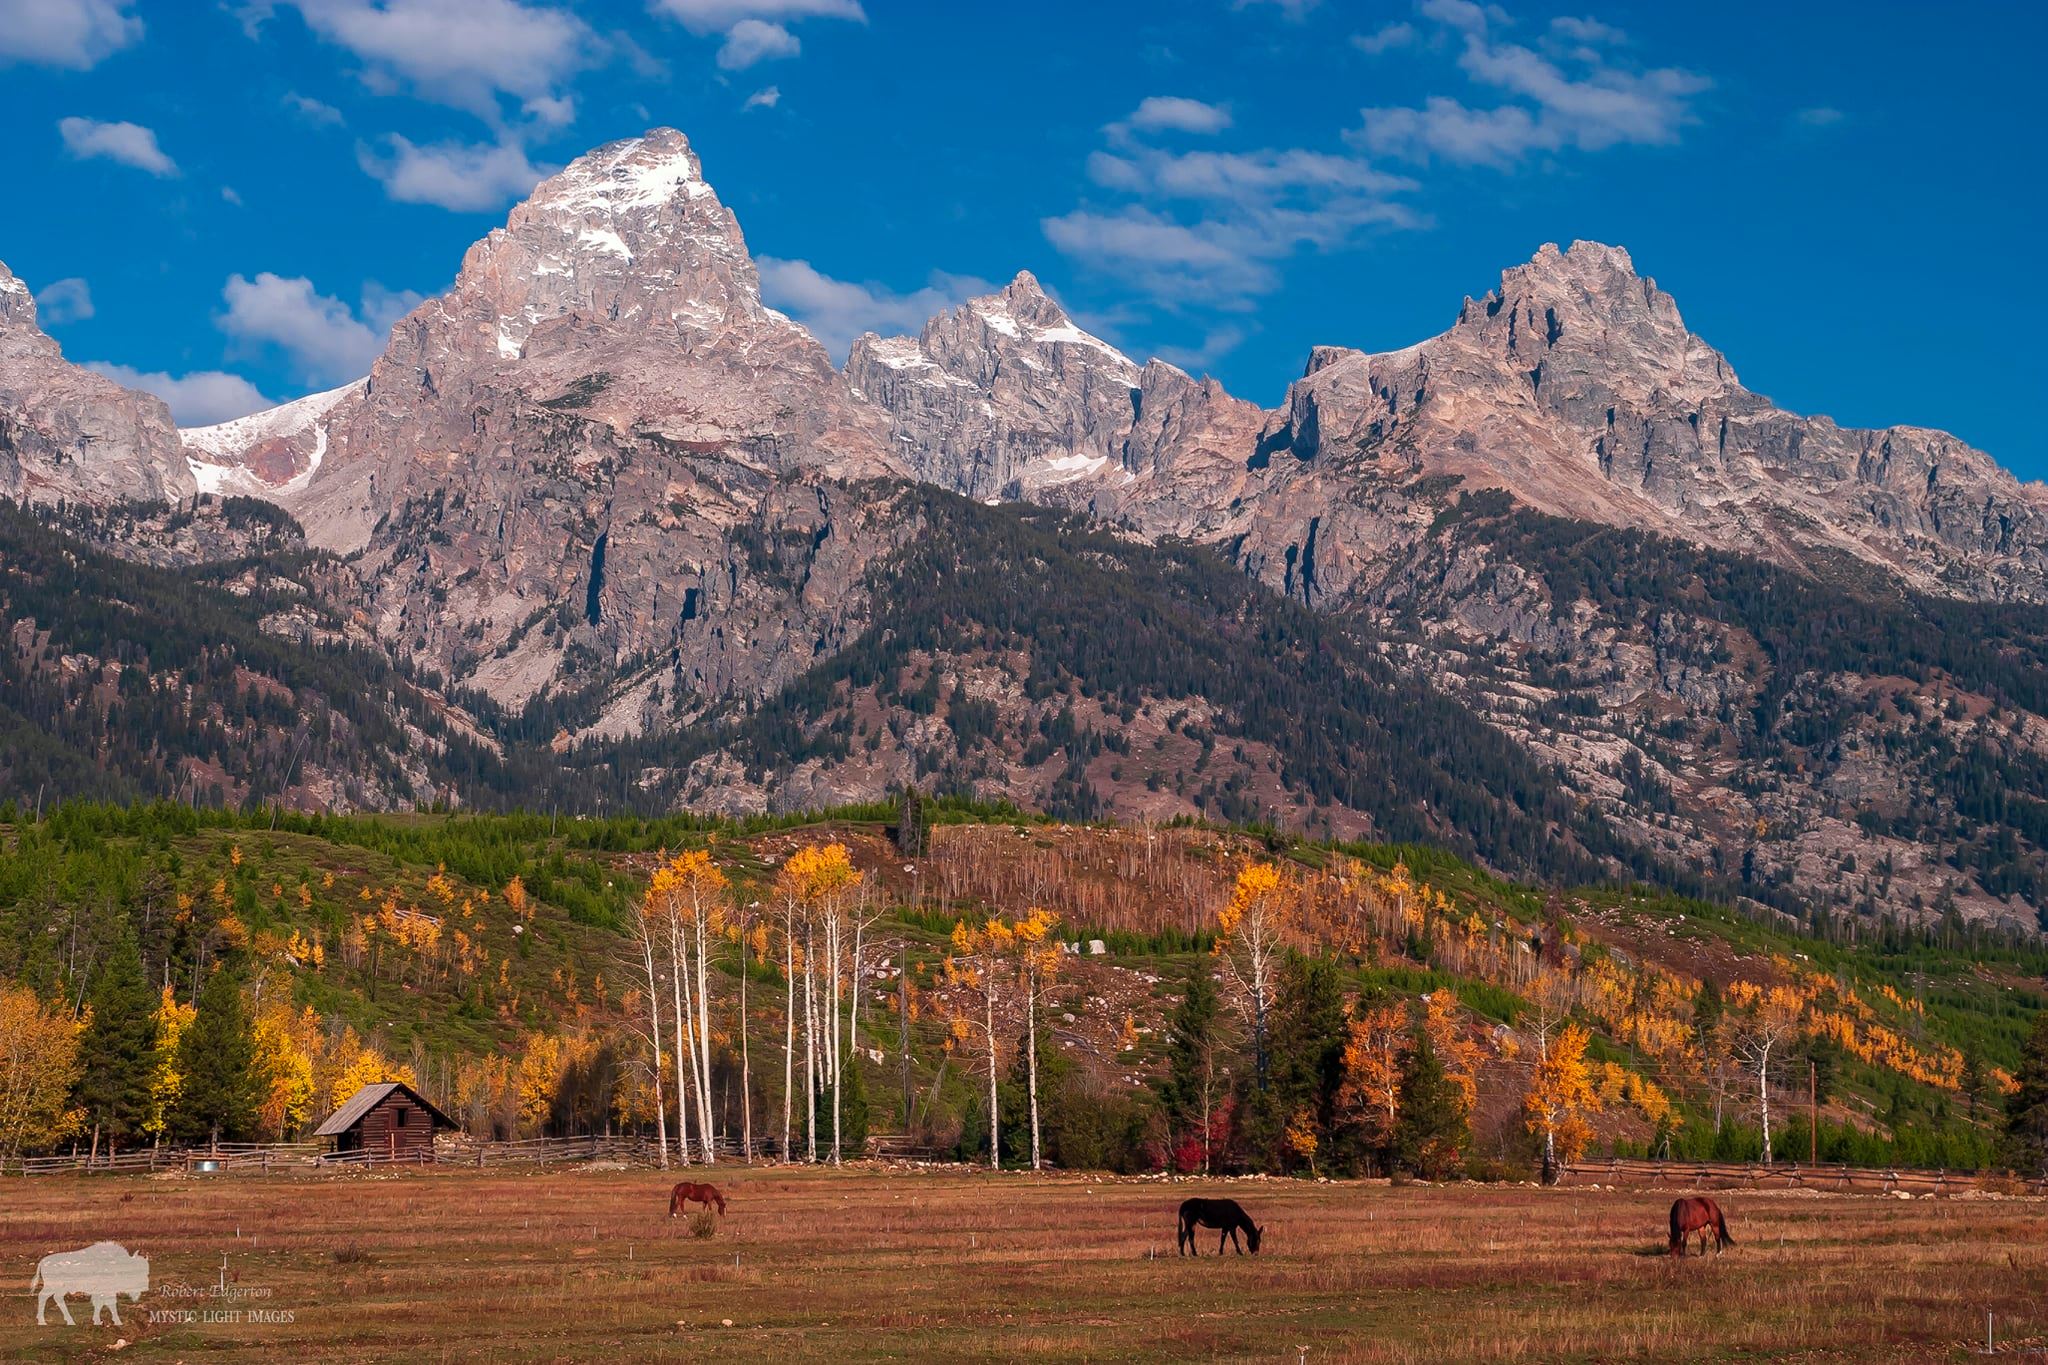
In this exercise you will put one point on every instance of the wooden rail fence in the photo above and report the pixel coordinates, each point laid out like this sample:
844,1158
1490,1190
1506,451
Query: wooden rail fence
1793,1175
264,1158
461,1150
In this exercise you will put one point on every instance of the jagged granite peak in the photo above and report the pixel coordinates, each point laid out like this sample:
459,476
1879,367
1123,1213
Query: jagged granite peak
69,435
1003,396
564,455
621,291
1577,387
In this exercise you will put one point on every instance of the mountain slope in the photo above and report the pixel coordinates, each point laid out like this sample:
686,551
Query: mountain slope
1552,585
1577,389
225,687
67,434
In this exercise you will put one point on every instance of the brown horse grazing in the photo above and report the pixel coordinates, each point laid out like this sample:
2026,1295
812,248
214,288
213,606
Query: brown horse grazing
1699,1215
1222,1214
690,1192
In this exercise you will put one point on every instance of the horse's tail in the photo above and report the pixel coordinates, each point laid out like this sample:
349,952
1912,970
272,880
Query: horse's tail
1721,1227
1676,1234
35,1284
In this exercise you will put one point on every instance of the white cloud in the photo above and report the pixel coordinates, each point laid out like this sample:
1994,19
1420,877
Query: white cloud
1207,226
1821,116
837,311
317,112
755,40
465,177
1580,98
718,16
767,97
76,34
1384,39
1205,262
755,30
326,339
1176,114
131,144
382,308
464,53
231,195
198,399
62,301
554,111
1214,345
1586,30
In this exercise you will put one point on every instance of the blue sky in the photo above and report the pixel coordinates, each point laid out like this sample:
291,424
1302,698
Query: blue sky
231,202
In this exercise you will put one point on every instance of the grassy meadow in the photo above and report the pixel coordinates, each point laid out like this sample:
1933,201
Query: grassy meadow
897,1264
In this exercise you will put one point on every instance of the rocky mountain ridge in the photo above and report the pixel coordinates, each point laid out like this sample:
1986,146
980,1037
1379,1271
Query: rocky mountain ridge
622,510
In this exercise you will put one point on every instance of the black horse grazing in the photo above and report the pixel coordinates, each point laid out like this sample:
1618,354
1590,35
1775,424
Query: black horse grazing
1223,1214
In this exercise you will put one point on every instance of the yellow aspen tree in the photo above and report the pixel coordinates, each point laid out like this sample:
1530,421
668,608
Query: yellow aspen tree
691,895
286,1069
974,967
1560,1096
540,1077
1252,932
1038,962
648,927
823,883
38,1068
1375,1047
1771,1020
166,1081
1445,1029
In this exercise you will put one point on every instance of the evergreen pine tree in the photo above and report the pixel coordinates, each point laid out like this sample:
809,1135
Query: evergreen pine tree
114,1050
853,1109
1430,1134
2026,1111
1306,1067
1193,1088
217,1055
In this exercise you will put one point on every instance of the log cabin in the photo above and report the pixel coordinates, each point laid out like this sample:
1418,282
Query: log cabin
388,1121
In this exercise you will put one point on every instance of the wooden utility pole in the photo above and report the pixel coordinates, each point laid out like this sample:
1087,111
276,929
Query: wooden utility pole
903,1025
1813,1094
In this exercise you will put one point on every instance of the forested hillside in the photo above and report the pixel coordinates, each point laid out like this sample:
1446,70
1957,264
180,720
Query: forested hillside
1838,746
226,684
1256,1002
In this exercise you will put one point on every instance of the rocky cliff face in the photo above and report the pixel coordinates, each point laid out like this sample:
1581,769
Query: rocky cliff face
67,434
1003,397
552,475
1577,388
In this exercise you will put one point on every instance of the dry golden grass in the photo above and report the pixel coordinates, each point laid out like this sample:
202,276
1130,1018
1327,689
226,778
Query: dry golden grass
874,1265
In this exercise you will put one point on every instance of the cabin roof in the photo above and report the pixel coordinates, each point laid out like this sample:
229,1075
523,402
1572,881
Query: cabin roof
368,1098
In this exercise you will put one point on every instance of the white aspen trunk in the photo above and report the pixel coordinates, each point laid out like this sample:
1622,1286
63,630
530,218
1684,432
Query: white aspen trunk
789,1028
654,1033
838,1057
689,1034
683,1050
1031,1061
810,1046
1763,1098
853,1023
746,1065
995,1118
707,1128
